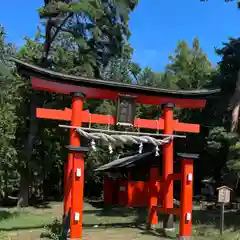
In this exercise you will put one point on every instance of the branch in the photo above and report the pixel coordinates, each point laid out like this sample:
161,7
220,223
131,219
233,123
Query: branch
60,27
49,40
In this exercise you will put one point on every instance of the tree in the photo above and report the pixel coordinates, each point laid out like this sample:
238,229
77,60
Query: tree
229,80
100,28
189,67
79,40
6,50
9,101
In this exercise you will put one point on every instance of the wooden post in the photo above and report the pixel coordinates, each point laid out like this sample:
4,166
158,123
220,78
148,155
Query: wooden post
186,199
153,198
222,218
77,170
168,166
224,193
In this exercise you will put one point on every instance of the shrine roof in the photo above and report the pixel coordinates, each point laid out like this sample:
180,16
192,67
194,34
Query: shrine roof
123,162
32,71
131,160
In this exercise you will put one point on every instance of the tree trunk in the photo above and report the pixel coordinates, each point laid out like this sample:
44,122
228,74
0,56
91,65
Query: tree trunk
235,116
235,105
27,154
24,190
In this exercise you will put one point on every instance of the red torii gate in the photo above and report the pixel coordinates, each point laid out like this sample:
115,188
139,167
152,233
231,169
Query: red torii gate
82,88
159,124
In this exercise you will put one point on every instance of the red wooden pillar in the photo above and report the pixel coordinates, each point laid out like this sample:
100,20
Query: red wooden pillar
186,199
68,175
129,190
168,164
77,178
153,198
67,184
108,191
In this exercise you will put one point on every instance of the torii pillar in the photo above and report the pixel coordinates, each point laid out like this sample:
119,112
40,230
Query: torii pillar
168,151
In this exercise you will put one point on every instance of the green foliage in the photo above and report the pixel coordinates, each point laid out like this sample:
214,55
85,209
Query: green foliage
53,231
99,29
234,157
6,51
189,67
229,65
8,120
118,70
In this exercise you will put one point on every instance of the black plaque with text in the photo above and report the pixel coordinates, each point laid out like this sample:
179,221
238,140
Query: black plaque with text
126,110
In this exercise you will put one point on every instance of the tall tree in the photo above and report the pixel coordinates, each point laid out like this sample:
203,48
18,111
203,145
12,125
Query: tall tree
229,79
81,38
189,67
9,101
100,28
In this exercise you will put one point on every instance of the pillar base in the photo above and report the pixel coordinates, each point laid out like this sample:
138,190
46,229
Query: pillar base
168,221
151,226
183,238
169,229
169,232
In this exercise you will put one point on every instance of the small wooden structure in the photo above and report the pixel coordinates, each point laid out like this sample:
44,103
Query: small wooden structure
127,180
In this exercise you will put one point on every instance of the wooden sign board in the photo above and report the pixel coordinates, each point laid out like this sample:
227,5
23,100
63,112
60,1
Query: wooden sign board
126,108
224,193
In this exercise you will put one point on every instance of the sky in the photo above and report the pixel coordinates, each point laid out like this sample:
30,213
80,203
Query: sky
156,26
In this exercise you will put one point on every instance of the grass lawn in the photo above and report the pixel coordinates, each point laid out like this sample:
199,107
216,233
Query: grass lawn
109,224
27,223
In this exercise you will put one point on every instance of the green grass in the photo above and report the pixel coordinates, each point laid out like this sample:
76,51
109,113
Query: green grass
13,220
25,220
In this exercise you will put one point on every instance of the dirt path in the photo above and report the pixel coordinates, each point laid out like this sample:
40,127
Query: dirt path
114,224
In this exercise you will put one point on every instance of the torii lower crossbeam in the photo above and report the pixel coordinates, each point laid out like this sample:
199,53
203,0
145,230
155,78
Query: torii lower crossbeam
87,117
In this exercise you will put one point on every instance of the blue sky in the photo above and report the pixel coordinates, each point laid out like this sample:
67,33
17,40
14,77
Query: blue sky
156,26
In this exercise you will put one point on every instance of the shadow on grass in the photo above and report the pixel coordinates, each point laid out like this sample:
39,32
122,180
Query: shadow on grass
112,212
21,228
102,210
231,219
96,203
42,205
4,214
109,225
159,233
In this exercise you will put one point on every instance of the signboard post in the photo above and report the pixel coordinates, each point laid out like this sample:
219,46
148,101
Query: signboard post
224,193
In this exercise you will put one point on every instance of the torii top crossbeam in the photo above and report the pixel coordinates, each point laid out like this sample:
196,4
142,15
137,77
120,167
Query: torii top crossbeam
51,81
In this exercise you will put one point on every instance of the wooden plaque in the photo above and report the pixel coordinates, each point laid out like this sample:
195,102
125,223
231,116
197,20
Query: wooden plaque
224,193
126,108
